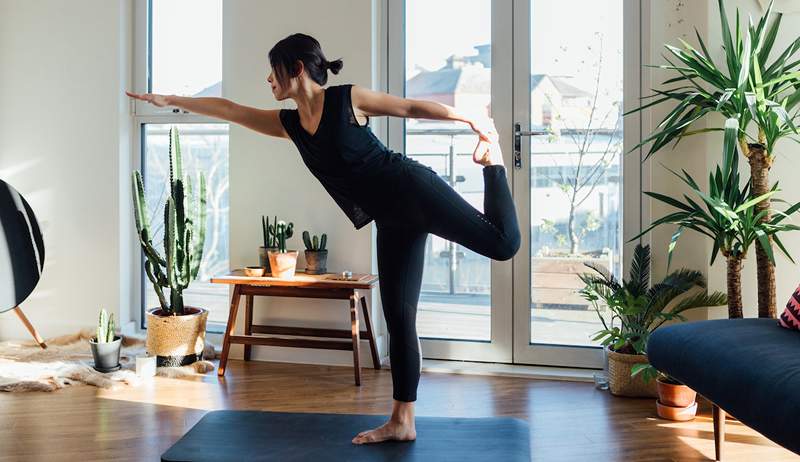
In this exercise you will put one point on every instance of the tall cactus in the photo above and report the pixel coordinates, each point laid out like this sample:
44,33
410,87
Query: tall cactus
184,231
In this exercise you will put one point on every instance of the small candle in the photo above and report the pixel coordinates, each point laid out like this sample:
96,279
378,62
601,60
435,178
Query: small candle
145,366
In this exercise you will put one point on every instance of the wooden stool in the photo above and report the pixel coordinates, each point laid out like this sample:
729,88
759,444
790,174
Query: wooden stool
302,286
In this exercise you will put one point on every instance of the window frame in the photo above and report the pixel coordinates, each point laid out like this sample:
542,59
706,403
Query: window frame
143,113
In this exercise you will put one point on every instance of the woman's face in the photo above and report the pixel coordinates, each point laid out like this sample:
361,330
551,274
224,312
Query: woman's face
279,91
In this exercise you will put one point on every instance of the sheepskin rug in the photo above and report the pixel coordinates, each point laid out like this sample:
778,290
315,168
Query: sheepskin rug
24,366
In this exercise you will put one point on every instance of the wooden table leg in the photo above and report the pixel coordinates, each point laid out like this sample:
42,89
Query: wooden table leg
719,431
248,324
29,326
376,363
355,329
226,342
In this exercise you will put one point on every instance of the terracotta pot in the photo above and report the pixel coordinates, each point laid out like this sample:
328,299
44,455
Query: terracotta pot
282,264
680,414
316,261
263,258
176,340
675,395
620,381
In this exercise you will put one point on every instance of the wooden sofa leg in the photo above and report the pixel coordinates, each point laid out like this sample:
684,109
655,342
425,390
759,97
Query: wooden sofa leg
719,430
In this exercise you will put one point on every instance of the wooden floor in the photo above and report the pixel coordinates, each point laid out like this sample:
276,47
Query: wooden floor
569,421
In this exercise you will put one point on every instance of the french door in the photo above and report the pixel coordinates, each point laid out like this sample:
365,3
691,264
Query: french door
554,75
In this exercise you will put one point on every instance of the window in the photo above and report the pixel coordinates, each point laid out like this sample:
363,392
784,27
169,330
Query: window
175,56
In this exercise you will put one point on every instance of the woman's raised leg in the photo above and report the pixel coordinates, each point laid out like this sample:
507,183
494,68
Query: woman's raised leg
494,233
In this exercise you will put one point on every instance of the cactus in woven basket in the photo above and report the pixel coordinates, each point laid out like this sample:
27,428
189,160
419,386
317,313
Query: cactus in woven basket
184,232
315,243
105,327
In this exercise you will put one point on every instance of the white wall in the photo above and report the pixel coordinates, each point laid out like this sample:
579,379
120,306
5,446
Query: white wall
267,175
63,133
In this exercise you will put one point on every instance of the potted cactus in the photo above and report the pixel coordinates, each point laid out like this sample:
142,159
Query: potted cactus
316,253
175,332
270,243
105,345
282,261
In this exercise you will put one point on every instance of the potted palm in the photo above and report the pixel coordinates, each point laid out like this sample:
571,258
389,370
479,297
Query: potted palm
106,345
728,215
636,309
749,86
175,332
316,253
283,261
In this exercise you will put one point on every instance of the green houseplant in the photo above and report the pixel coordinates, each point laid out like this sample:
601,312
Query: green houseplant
281,260
106,345
636,309
748,86
727,215
316,253
175,332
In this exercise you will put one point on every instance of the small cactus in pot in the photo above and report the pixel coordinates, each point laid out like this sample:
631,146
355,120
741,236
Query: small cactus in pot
282,261
106,345
316,253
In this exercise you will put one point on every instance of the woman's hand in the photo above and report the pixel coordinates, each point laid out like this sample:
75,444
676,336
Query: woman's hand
152,98
485,129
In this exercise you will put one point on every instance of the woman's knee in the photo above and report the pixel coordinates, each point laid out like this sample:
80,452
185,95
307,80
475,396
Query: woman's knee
508,246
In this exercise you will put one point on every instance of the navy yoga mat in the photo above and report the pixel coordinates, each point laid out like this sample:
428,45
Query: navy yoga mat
279,436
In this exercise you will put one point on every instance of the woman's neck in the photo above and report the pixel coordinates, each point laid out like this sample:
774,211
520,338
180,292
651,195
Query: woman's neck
309,100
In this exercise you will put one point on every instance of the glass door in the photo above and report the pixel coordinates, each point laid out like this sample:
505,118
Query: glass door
550,74
568,102
447,50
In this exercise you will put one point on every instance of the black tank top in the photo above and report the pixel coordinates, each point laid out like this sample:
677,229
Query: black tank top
346,157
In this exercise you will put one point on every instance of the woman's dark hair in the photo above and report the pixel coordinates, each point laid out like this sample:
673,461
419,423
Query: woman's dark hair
284,55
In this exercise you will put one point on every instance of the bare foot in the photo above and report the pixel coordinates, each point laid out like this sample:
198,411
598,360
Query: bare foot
390,431
488,153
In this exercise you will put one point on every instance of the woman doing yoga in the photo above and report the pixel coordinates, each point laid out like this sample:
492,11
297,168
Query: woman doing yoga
406,199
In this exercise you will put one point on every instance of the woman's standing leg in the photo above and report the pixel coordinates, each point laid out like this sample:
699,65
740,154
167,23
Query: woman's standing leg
401,259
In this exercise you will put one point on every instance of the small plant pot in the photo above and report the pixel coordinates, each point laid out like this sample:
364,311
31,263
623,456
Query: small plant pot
263,258
679,414
316,261
283,264
106,354
620,381
176,340
254,271
675,395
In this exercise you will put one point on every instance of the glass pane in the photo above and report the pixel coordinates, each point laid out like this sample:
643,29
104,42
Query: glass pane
204,148
449,62
186,47
576,176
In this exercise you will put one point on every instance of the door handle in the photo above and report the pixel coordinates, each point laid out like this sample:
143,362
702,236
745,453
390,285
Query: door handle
518,134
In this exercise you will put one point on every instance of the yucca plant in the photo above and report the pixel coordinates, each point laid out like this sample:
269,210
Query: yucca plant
636,307
184,232
749,87
726,214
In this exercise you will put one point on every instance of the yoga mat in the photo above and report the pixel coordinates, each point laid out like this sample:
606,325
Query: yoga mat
279,436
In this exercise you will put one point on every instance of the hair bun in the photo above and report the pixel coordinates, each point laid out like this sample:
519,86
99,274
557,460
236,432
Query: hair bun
335,66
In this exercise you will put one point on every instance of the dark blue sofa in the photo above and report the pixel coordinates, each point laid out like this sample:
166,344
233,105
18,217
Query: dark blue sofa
748,367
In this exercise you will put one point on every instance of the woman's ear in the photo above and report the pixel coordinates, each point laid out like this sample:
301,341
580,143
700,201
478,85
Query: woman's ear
299,68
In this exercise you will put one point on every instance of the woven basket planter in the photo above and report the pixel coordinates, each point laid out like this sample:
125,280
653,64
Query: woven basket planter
176,340
620,381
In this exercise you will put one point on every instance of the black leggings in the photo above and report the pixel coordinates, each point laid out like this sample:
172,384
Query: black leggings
425,203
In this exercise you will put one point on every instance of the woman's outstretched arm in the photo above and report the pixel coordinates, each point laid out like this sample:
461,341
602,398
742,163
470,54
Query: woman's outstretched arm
373,103
264,121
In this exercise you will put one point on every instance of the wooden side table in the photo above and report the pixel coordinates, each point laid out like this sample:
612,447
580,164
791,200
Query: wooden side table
303,285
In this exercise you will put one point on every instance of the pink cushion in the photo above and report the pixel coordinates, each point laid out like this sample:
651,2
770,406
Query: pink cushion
790,318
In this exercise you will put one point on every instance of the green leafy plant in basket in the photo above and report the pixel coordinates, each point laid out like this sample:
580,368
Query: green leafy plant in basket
636,308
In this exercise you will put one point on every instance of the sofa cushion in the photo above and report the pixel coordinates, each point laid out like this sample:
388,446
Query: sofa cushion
748,367
790,318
